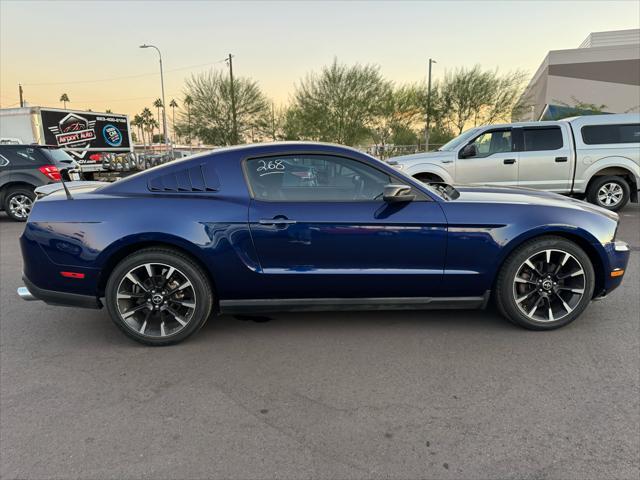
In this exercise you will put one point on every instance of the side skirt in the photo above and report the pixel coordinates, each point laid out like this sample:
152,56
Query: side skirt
342,304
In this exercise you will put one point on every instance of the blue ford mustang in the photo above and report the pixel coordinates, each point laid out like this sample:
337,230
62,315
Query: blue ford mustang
300,226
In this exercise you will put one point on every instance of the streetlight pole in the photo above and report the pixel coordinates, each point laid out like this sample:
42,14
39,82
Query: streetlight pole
426,130
164,105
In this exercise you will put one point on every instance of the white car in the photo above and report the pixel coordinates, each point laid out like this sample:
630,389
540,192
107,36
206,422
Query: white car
596,157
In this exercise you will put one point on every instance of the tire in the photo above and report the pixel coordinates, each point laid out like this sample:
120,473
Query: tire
18,203
567,291
609,192
145,308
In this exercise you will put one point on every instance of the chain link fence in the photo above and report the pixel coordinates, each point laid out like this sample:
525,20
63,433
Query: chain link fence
385,152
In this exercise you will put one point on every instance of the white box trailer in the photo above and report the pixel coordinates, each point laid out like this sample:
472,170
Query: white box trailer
84,135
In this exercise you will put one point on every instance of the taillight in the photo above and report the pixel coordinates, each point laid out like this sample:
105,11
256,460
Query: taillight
72,274
51,171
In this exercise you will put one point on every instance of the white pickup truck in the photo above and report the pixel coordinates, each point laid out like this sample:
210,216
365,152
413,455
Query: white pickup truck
596,157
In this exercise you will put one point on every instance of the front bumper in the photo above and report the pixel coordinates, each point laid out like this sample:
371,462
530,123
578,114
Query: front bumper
617,258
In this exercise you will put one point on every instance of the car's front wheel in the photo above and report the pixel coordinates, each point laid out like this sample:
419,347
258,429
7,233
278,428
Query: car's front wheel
545,284
158,296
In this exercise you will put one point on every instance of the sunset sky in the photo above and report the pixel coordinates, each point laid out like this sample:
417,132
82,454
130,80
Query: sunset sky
89,50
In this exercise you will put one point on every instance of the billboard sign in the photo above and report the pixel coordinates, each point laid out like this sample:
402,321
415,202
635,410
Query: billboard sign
82,132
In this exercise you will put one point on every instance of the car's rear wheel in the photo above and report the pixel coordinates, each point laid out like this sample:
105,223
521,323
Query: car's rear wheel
545,284
18,203
610,192
158,296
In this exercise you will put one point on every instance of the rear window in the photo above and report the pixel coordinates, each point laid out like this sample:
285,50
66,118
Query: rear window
57,155
536,139
607,134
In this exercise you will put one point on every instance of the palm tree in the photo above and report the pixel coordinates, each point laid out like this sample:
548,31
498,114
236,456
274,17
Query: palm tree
158,104
138,122
64,98
146,116
188,101
173,104
153,124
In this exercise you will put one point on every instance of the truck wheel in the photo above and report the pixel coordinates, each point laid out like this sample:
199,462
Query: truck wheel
158,296
545,284
18,203
609,192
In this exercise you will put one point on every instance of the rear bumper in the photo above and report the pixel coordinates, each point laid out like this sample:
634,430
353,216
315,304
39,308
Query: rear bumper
51,297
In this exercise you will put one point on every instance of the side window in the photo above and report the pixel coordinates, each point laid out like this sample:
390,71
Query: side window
608,134
314,178
536,139
25,156
496,141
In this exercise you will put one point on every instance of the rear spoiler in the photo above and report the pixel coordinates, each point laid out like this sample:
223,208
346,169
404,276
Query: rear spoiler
45,190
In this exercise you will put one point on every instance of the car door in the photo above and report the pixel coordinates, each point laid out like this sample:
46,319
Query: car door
322,230
545,158
494,161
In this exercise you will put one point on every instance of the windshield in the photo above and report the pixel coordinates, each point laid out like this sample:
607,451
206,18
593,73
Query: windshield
459,140
58,155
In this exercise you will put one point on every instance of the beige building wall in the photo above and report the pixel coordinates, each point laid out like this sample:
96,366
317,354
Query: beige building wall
604,71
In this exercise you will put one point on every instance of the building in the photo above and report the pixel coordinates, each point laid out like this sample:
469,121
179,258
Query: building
603,71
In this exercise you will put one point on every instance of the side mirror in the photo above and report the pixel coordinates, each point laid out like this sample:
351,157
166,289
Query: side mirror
469,151
397,194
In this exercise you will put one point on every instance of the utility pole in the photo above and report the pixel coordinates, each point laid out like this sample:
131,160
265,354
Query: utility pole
426,130
273,121
234,132
20,92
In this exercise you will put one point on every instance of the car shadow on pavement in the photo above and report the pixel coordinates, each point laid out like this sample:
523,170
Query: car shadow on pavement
424,321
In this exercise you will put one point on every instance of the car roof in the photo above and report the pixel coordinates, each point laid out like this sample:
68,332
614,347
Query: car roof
29,145
275,148
605,119
284,146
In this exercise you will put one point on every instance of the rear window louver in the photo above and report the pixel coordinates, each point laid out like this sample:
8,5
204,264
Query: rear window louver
201,178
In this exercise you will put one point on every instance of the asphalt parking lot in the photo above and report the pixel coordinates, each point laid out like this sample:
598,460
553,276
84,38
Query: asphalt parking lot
342,395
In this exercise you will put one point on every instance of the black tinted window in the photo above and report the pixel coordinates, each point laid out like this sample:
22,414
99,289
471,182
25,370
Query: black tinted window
536,139
607,134
23,156
495,141
314,178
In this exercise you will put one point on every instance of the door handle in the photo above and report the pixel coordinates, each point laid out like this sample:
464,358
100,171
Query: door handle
446,161
276,221
561,159
509,161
